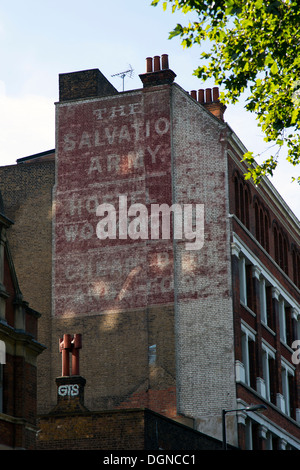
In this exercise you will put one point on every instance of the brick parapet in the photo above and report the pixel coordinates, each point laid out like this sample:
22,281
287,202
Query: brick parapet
128,429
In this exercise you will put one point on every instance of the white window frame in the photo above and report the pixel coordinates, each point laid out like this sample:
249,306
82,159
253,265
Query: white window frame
286,370
268,354
248,434
243,280
247,335
263,301
282,320
243,250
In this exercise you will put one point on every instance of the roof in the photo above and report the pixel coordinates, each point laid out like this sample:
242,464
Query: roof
47,155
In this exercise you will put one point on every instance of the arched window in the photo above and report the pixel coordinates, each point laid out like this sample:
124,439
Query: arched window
236,197
267,246
257,221
285,256
262,227
242,198
276,252
247,204
280,250
296,266
261,224
281,247
242,206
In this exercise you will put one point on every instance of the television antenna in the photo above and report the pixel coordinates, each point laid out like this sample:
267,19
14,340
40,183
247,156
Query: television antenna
128,73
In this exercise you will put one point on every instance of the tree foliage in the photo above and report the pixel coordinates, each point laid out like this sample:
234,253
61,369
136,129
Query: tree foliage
254,49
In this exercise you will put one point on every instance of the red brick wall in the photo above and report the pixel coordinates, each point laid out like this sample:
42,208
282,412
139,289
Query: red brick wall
276,216
265,253
120,430
106,147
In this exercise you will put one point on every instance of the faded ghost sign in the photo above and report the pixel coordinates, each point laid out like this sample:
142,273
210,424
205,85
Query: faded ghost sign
107,148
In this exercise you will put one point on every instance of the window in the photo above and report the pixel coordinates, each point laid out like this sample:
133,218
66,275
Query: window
270,317
272,441
243,283
287,375
281,247
297,329
267,224
282,321
296,266
262,224
252,438
248,434
242,197
249,286
261,228
246,283
285,322
266,304
285,256
236,196
248,356
276,253
268,366
263,300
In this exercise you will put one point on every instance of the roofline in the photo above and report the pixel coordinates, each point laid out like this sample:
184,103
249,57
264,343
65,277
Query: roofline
36,155
265,183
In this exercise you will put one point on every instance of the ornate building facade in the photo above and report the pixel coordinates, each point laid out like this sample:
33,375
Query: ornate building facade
19,350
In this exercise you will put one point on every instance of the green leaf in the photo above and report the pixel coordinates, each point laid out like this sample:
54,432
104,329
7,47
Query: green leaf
274,68
177,31
294,115
253,49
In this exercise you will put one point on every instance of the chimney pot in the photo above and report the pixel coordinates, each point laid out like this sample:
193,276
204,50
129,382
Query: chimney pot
77,343
201,96
149,64
216,93
208,95
67,341
194,94
156,63
84,84
164,61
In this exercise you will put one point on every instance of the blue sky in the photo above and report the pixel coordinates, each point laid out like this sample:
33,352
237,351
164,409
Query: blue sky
41,39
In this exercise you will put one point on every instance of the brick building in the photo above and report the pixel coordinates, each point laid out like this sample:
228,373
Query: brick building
183,324
19,350
70,426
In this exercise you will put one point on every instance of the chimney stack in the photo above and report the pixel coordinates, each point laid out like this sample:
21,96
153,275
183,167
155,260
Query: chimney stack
70,387
84,84
157,71
209,98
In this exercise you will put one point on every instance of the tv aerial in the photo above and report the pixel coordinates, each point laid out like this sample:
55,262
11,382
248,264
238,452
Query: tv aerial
124,74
